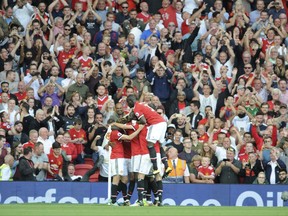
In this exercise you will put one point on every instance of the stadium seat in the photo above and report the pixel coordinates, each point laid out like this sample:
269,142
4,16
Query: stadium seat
81,169
94,177
89,161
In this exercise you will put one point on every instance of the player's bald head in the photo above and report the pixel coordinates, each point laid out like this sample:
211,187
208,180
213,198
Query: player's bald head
131,99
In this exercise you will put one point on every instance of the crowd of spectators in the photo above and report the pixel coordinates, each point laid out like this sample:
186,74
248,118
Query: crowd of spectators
215,70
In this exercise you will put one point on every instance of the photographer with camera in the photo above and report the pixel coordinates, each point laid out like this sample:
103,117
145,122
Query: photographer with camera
275,8
228,168
126,90
122,92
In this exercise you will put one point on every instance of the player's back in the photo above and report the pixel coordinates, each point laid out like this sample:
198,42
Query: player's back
151,116
135,145
117,149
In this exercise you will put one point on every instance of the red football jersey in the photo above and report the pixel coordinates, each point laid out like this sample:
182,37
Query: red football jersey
204,138
5,125
101,101
207,171
21,96
63,58
55,164
243,157
77,134
168,15
143,141
185,27
127,149
85,63
151,116
70,149
117,149
143,18
135,143
266,44
124,92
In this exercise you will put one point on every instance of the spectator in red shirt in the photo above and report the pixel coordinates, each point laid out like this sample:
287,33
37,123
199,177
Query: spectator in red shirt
64,55
168,13
203,136
259,140
205,170
33,137
83,3
21,94
68,151
244,157
55,163
144,15
78,137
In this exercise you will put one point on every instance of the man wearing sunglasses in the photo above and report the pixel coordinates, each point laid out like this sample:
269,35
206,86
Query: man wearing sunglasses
122,15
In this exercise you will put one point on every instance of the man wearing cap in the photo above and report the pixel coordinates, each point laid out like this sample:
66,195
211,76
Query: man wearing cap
198,63
169,134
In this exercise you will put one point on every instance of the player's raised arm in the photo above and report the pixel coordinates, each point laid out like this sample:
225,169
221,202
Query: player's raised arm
133,135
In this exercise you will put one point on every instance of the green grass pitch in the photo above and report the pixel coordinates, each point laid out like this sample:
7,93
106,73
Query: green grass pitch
97,210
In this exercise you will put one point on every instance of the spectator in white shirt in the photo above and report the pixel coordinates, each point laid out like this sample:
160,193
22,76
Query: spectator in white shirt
23,12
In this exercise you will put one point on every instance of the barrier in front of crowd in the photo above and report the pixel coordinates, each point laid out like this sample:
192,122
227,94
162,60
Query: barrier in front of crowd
174,194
